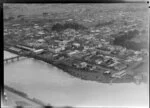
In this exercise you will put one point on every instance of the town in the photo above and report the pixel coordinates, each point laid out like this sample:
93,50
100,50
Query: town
86,52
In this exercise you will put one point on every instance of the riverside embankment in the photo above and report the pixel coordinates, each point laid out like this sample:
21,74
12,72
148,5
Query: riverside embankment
82,74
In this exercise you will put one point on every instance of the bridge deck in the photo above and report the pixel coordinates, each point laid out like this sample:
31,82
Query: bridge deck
12,58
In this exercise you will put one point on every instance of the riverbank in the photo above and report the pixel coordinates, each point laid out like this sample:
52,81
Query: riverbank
24,95
85,75
51,85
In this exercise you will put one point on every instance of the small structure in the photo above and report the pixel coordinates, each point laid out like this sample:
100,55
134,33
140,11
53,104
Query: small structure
119,74
93,68
74,52
113,64
15,49
51,50
41,40
83,64
107,72
76,44
120,67
98,61
139,59
41,33
25,47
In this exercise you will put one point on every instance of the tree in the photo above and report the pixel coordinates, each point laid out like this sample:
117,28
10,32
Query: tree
20,16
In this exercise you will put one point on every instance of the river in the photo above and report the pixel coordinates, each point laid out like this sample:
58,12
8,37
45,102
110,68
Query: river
51,85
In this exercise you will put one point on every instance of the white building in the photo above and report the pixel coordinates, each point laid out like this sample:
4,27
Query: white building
39,51
41,33
74,52
76,44
41,40
83,64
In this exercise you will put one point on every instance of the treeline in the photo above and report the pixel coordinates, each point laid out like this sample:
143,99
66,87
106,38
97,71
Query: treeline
134,45
123,39
126,36
72,25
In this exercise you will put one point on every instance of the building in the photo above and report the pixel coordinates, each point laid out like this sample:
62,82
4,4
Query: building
119,74
74,52
76,44
98,61
120,66
113,64
83,64
107,72
39,51
41,40
57,50
41,33
15,49
25,47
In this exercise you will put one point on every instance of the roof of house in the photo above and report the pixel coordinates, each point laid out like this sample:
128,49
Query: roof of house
120,66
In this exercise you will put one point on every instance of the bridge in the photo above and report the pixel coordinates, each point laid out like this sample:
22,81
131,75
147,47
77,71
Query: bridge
12,59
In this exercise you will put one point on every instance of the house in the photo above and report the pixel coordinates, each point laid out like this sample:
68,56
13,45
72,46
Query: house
120,66
76,44
113,64
92,68
83,64
107,72
36,26
119,74
56,50
98,61
41,40
41,33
